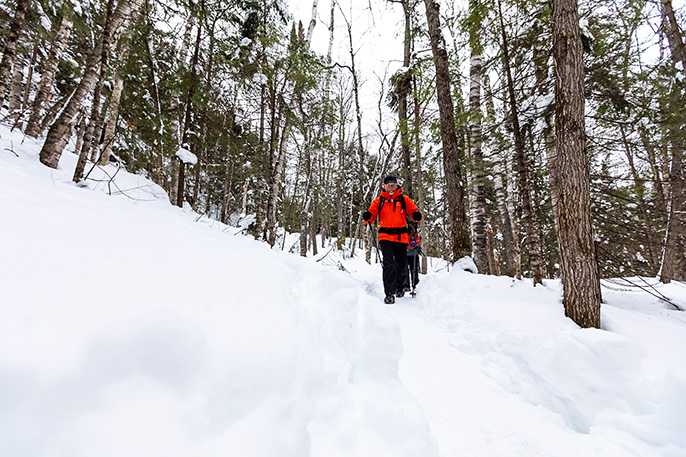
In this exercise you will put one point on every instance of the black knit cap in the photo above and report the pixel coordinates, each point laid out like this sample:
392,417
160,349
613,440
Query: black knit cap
388,179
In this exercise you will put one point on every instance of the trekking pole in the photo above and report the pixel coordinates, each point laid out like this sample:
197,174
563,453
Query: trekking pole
376,242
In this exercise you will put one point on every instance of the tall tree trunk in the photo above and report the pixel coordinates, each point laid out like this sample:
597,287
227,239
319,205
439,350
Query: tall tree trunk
306,208
188,110
676,220
360,146
656,175
460,237
95,107
158,169
29,78
175,127
511,253
648,230
673,251
524,180
8,55
44,92
570,172
478,201
58,135
418,170
229,166
113,116
275,183
674,35
402,103
476,153
264,168
81,125
340,178
17,84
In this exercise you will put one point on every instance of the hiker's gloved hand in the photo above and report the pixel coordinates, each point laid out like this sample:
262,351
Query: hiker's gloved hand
417,216
367,216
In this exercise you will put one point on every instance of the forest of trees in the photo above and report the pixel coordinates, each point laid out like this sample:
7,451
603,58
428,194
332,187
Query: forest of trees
544,139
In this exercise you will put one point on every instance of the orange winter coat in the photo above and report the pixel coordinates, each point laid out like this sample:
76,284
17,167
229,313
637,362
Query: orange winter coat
392,222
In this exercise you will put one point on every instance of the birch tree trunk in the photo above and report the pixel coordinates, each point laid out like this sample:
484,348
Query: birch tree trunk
44,92
478,200
229,166
408,183
476,153
113,116
511,253
460,238
532,238
188,107
340,178
17,85
29,79
275,182
95,107
58,134
418,158
174,126
8,55
570,172
158,168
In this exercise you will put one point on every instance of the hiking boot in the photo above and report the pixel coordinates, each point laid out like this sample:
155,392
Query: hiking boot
389,300
400,293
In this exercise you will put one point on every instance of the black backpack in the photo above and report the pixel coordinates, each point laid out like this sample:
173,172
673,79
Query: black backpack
412,231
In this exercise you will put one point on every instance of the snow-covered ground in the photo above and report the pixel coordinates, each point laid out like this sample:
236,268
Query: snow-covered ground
129,327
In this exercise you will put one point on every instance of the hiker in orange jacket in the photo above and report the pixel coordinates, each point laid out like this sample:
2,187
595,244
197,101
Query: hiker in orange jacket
391,207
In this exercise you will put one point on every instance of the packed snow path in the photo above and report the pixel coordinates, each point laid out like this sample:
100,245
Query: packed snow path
499,370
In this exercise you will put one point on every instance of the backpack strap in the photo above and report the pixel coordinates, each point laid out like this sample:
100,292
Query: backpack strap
383,200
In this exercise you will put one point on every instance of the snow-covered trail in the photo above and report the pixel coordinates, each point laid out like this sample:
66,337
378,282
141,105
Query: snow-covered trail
498,370
469,414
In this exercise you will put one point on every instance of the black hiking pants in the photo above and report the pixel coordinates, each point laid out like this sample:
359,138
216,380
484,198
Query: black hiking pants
394,265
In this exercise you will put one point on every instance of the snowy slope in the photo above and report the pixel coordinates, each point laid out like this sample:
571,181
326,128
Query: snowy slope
130,327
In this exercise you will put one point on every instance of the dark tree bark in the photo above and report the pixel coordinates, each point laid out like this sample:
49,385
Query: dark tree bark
460,237
570,172
674,34
8,55
673,251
